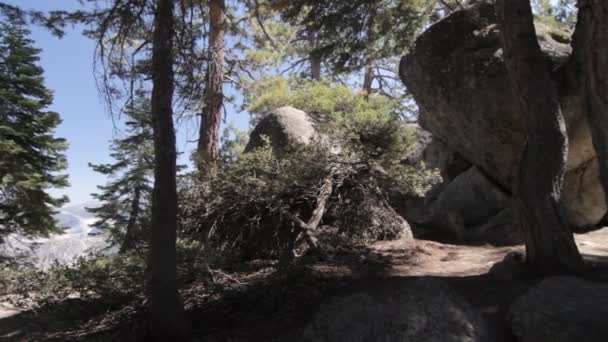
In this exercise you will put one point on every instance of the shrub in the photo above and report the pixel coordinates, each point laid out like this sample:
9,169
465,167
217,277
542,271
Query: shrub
246,210
115,279
239,211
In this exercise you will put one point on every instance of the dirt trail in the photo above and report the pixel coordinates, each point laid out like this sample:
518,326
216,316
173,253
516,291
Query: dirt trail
440,259
264,300
432,258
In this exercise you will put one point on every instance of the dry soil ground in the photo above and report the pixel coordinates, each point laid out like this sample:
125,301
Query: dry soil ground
260,303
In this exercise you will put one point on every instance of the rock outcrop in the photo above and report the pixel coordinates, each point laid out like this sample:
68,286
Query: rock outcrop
412,310
471,197
561,309
458,78
283,127
471,208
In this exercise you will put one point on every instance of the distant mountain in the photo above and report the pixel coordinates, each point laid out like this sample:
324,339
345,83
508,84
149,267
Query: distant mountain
67,221
79,209
78,239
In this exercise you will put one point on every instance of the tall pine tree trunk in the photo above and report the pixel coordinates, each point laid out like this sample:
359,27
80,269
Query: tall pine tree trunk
128,242
212,111
368,73
537,187
368,76
314,58
166,313
590,53
315,67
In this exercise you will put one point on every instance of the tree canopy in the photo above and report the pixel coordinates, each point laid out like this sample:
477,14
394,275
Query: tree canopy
33,158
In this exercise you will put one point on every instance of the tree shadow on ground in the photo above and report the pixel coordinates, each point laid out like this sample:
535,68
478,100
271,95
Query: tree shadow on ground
48,320
279,307
261,303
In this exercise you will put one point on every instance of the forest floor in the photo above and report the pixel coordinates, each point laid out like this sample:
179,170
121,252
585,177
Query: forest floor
260,303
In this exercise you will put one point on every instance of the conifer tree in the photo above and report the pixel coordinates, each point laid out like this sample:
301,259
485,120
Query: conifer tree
214,97
125,199
336,41
359,34
32,157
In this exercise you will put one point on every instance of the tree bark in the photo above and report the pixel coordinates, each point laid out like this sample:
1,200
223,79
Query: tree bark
214,98
128,242
590,53
167,318
315,68
368,74
537,187
313,57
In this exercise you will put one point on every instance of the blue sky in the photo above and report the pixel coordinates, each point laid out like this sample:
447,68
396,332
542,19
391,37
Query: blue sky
68,66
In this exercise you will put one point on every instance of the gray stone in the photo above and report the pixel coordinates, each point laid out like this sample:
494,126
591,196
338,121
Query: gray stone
583,196
425,310
470,200
457,76
499,230
562,309
283,127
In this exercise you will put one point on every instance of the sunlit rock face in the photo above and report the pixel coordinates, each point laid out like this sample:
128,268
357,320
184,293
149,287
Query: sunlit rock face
459,80
78,239
282,128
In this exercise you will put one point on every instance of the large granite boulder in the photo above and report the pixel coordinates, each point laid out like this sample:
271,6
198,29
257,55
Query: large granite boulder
468,206
283,127
471,208
423,309
457,75
471,196
562,309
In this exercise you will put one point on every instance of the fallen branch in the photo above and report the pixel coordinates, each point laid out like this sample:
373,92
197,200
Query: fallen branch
307,229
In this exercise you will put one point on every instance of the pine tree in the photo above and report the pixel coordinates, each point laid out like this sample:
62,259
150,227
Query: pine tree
214,97
232,143
281,46
336,41
32,158
115,25
359,34
125,199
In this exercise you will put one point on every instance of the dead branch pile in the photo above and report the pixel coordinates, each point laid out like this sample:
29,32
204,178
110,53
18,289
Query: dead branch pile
263,207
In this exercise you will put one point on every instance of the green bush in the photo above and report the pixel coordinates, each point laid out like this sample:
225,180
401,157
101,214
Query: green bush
316,97
114,279
239,212
367,126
